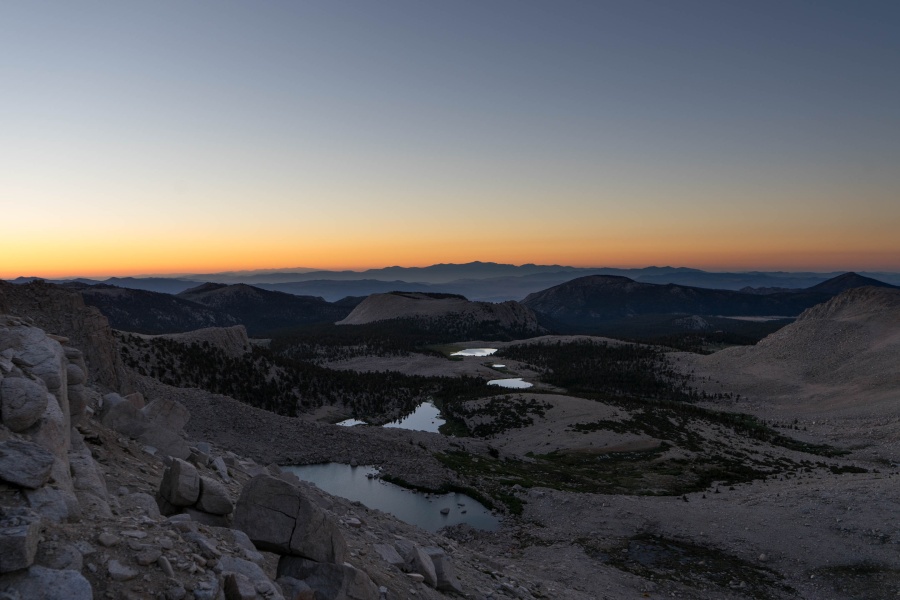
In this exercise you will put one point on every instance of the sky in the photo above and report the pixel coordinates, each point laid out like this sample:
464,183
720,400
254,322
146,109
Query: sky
170,137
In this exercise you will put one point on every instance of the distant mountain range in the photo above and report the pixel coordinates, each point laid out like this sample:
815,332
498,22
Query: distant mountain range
484,281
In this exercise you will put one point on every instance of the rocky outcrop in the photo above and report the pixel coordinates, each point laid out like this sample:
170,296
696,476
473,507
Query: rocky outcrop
24,463
180,484
416,560
64,313
213,498
19,532
278,517
445,575
37,420
157,425
41,458
22,402
183,490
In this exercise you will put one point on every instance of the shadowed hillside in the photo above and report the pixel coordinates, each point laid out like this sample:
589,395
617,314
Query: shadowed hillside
596,302
150,312
265,311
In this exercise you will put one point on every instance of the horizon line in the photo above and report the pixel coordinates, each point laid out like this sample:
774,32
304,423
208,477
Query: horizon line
306,270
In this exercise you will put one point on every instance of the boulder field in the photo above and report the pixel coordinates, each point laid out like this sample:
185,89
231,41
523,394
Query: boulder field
102,495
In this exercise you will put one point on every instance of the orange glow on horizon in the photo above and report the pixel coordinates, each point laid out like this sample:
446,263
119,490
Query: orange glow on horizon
102,264
102,252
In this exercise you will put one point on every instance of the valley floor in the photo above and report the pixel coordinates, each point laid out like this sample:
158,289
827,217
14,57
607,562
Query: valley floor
812,529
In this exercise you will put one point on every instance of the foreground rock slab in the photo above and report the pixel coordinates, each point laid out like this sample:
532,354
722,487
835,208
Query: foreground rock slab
278,516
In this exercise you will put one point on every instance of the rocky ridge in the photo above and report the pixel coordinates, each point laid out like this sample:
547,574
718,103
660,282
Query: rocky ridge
65,314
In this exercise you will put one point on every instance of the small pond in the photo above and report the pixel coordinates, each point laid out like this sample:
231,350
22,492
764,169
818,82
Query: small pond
351,423
415,508
513,383
475,352
426,417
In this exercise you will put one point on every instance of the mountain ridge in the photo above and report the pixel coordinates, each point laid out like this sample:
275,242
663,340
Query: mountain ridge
594,299
263,311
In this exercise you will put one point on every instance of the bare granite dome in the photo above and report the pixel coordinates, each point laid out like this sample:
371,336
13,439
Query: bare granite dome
405,305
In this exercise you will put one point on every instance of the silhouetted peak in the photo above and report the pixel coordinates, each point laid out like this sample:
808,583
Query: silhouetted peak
847,281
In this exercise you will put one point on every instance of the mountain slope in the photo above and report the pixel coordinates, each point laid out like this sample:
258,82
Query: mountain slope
264,311
148,312
842,355
64,313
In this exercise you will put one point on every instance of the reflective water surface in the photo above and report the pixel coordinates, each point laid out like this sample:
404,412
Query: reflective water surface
515,383
475,352
426,417
415,508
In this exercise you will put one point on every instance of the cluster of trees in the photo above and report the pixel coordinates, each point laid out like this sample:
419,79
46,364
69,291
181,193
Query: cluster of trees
287,386
503,413
396,337
328,342
629,370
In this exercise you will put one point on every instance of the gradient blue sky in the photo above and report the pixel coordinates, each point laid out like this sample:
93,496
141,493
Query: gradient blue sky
198,136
